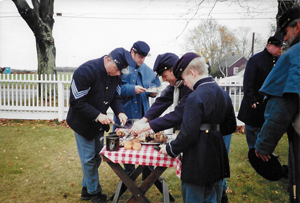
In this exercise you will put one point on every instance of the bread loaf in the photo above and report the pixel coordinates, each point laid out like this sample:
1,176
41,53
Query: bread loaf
137,146
128,145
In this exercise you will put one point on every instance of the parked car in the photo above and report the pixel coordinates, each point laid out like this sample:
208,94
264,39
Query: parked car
2,69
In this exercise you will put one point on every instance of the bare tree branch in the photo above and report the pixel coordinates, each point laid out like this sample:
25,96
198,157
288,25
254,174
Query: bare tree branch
28,14
212,9
247,8
46,12
190,19
36,6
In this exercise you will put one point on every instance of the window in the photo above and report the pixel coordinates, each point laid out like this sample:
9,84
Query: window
235,70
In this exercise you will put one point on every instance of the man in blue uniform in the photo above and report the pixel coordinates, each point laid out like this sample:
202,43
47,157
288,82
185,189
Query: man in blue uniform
208,114
175,93
258,67
282,110
134,86
92,92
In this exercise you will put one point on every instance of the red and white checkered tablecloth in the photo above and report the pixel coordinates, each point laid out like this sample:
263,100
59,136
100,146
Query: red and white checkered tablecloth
146,156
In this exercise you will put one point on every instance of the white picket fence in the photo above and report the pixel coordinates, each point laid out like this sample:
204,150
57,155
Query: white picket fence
24,96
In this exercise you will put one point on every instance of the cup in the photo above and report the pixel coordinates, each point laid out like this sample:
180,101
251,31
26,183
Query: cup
112,142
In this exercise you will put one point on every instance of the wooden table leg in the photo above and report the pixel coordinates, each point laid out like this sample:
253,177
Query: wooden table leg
115,197
149,181
122,187
166,194
162,186
131,185
139,192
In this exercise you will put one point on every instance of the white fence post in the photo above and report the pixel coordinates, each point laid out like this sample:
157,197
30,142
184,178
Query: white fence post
61,96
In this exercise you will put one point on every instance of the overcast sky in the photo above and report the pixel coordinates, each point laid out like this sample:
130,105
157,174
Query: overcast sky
89,29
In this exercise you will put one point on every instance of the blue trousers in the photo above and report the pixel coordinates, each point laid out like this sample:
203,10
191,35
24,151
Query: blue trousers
201,194
90,159
227,141
251,135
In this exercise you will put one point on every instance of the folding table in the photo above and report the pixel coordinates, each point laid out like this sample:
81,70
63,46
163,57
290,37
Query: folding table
145,157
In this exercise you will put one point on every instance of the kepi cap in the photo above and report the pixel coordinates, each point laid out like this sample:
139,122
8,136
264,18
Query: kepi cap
140,47
182,63
164,62
121,57
276,40
270,170
285,19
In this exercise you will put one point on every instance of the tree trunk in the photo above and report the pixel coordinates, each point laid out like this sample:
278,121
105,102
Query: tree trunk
46,54
40,20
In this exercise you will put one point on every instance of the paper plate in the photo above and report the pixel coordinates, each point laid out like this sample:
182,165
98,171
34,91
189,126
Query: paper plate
151,143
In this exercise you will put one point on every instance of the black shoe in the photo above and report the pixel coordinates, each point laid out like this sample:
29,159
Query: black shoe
285,171
99,198
275,155
224,198
84,194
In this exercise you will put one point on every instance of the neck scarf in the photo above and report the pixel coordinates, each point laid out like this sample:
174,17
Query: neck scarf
176,93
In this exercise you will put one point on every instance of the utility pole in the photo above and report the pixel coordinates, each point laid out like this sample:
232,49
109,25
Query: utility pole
252,50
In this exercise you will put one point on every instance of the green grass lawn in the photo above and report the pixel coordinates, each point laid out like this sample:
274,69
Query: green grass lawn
39,163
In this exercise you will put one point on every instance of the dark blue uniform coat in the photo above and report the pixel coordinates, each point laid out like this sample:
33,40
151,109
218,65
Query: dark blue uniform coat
257,69
92,92
161,104
205,157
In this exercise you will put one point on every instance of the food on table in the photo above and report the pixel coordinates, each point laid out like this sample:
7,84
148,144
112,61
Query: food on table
133,144
121,132
128,145
143,136
152,137
137,146
147,137
160,137
135,140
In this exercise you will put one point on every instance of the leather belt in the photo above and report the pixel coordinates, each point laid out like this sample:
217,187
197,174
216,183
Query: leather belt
209,127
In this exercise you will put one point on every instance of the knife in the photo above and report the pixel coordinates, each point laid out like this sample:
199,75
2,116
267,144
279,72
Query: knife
120,126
